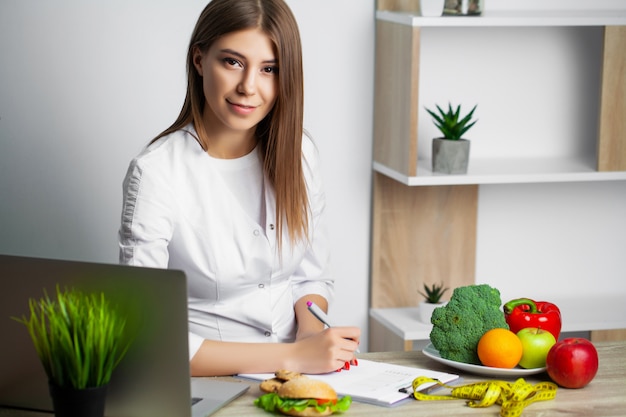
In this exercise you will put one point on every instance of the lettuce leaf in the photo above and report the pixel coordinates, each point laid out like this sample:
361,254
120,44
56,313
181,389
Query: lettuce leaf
272,402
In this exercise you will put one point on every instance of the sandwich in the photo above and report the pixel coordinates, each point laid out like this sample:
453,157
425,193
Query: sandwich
303,397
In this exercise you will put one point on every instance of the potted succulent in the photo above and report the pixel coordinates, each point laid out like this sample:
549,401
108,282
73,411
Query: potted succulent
463,7
432,295
431,8
80,339
451,152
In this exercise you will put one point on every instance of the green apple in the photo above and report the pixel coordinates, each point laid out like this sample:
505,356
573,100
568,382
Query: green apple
536,344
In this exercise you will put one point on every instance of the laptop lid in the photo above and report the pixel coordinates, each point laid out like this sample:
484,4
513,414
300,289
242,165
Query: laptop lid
152,380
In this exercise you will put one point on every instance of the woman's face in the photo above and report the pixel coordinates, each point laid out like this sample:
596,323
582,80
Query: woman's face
240,81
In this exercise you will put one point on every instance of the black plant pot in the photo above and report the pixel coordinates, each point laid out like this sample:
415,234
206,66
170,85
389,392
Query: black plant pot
72,402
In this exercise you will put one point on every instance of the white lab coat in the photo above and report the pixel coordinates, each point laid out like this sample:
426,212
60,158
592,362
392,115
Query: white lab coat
178,213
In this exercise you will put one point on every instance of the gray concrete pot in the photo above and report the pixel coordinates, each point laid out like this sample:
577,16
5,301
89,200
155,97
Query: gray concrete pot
450,156
431,8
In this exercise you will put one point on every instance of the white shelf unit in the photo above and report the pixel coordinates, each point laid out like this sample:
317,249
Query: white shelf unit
510,18
425,225
504,170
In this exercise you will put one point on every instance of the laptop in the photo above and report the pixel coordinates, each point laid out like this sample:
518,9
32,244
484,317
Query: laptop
153,379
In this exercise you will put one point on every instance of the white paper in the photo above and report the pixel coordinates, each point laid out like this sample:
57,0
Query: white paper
373,382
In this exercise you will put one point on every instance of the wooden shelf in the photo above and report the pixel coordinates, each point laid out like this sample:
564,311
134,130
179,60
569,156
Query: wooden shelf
512,18
399,37
507,171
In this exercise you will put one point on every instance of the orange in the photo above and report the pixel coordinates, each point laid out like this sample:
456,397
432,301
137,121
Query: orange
500,348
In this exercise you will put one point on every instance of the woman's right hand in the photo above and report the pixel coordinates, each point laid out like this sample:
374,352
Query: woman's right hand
330,350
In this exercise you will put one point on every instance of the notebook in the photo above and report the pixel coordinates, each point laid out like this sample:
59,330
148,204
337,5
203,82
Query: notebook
153,380
379,383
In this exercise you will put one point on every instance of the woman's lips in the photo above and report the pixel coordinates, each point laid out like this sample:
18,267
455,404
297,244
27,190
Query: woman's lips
242,108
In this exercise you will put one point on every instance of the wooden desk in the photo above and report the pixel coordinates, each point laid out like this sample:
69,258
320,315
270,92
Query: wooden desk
605,396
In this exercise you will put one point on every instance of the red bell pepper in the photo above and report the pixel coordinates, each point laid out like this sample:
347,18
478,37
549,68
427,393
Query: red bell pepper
524,312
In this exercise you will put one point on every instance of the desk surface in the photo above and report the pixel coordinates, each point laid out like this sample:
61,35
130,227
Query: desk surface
604,396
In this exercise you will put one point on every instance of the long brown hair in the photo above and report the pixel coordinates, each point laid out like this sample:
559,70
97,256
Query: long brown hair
280,132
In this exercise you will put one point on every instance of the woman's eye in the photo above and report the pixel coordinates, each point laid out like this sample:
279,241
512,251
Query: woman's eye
271,70
232,62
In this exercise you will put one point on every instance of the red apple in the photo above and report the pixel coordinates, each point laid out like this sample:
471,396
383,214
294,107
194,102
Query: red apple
572,362
535,344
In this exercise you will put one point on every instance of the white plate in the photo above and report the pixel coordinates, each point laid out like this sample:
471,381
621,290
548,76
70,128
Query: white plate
432,353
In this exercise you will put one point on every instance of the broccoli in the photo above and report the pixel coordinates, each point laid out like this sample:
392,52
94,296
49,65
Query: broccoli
459,325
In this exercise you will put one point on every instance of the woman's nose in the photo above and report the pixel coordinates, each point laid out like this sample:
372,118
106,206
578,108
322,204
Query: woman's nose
247,85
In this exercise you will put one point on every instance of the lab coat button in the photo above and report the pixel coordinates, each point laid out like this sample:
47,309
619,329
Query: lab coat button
271,227
261,286
268,334
256,233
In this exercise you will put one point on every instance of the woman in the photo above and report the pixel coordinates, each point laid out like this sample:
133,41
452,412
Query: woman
231,194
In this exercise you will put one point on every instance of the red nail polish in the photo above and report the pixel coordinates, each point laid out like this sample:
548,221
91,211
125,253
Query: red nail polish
347,366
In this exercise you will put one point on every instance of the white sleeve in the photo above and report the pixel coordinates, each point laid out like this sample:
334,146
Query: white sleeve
195,341
146,226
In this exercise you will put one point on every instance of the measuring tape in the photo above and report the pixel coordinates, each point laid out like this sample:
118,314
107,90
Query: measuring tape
512,398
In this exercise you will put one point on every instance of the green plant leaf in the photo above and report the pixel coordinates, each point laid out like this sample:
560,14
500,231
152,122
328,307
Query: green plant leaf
433,293
448,121
79,338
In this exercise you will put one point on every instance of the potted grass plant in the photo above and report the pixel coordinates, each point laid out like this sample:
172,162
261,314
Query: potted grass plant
450,153
80,339
432,299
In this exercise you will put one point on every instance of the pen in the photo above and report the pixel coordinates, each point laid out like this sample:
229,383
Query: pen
320,315
406,390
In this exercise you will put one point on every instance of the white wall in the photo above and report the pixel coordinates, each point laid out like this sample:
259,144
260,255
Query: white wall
85,85
553,241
